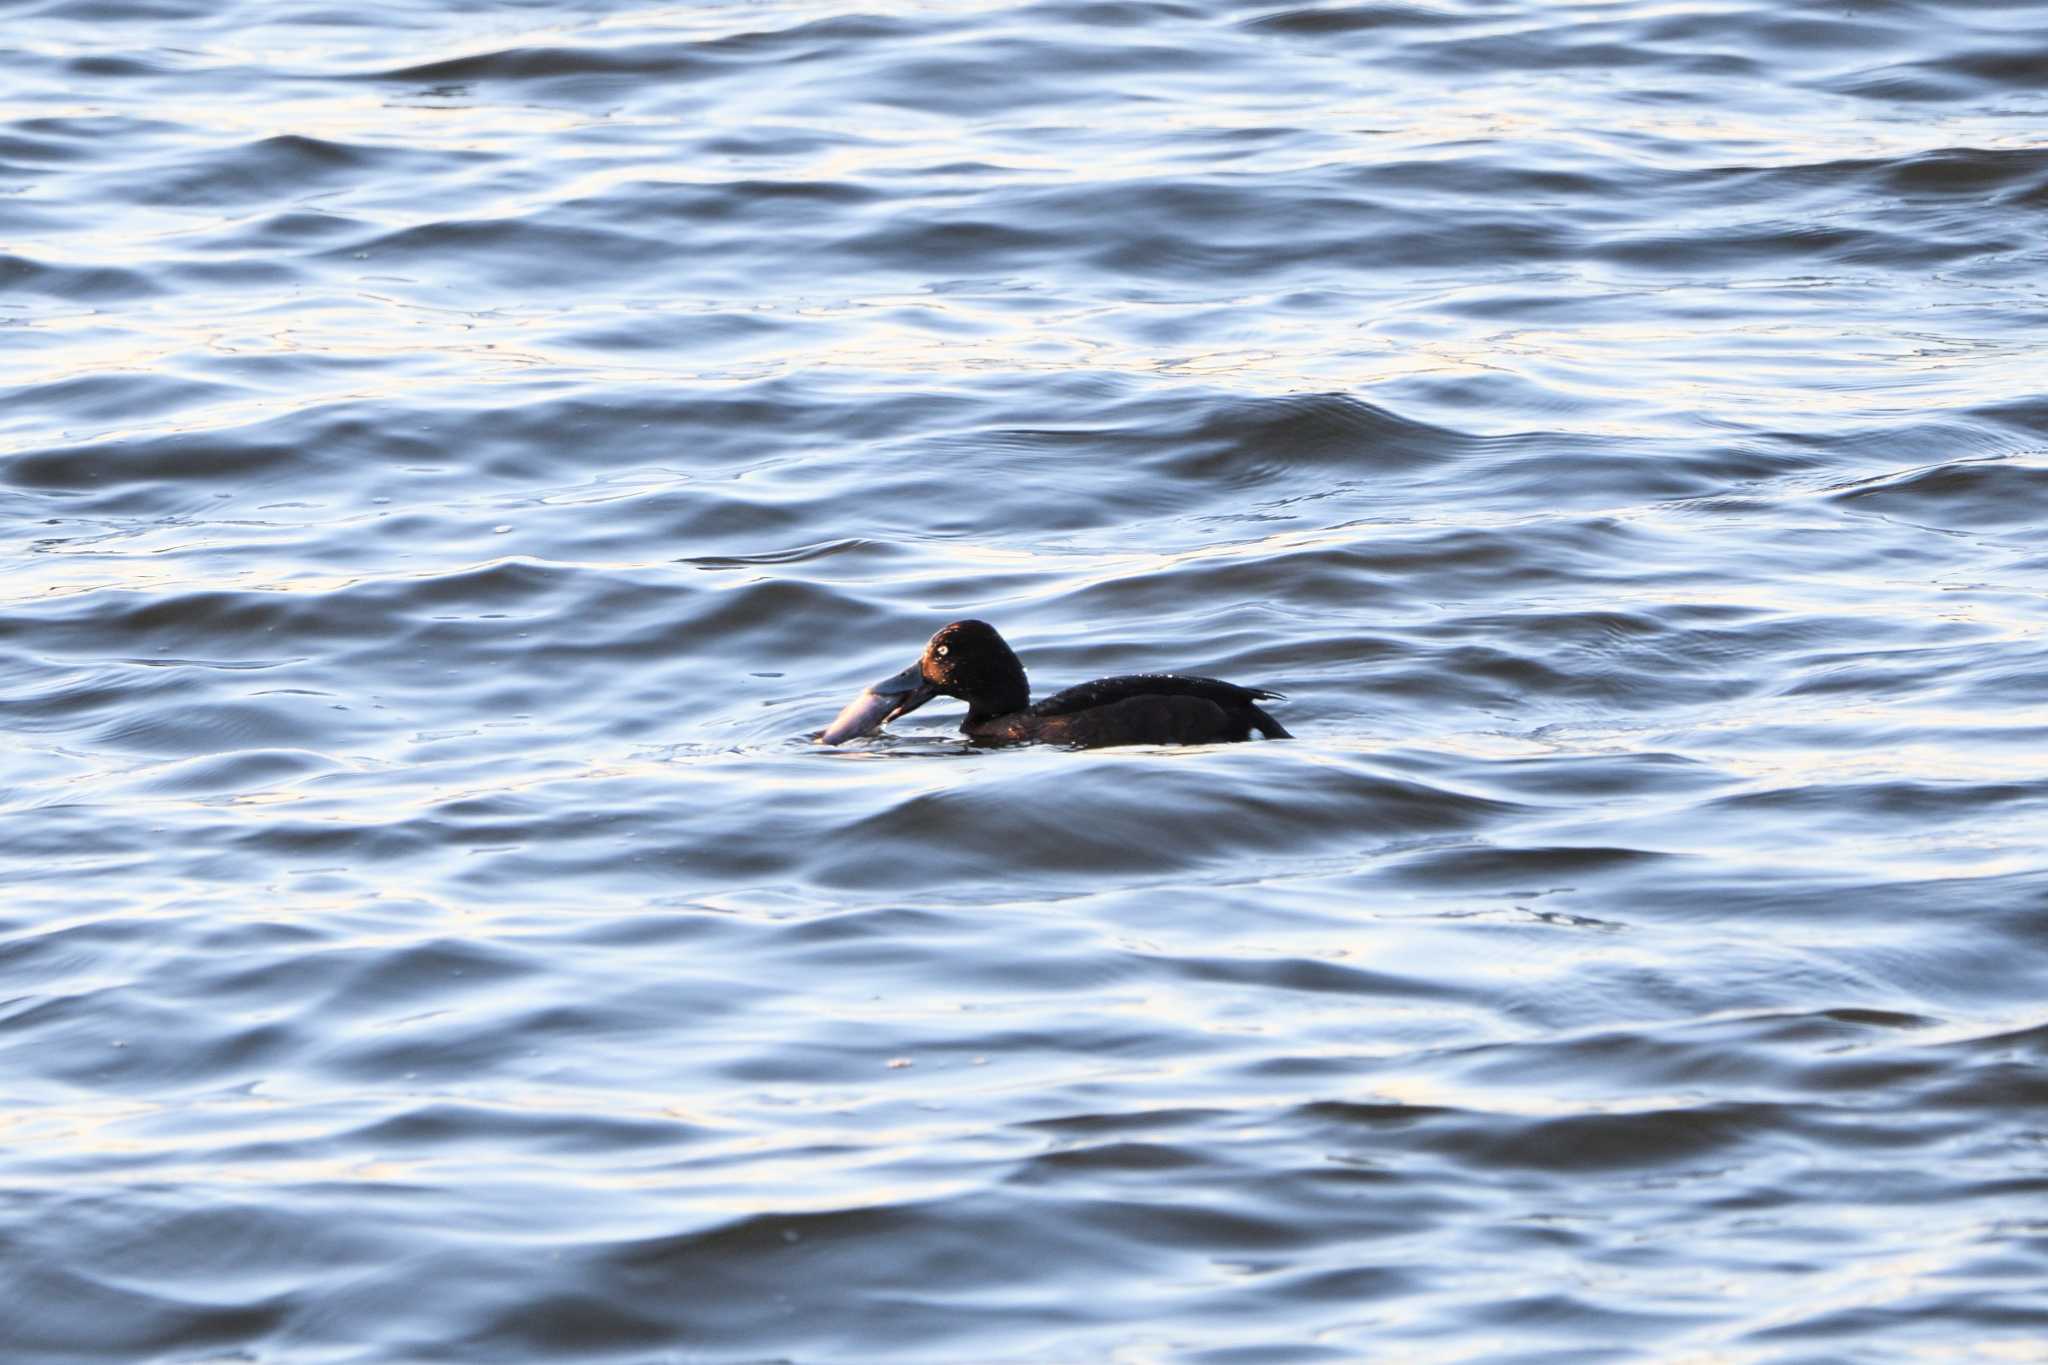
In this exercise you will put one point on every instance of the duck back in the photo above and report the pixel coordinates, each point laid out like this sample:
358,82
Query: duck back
1140,708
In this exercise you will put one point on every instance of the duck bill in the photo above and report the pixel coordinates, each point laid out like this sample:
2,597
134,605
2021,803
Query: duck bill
880,704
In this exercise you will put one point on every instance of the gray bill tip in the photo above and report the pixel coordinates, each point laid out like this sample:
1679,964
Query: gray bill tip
863,716
894,696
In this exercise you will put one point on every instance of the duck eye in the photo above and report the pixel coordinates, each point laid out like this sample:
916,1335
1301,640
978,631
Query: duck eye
943,650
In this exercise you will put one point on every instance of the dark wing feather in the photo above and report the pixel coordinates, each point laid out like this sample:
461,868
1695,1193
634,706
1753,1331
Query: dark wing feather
1108,691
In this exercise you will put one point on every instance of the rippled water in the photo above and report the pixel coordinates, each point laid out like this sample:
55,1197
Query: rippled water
453,457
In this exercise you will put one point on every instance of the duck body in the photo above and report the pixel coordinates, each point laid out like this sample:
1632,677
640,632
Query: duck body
970,661
1138,708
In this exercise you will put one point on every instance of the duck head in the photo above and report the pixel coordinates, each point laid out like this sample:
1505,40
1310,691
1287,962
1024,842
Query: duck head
966,659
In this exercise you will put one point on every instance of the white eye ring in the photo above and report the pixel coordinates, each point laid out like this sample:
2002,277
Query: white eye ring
943,650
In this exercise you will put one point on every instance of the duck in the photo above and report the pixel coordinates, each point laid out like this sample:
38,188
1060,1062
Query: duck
970,661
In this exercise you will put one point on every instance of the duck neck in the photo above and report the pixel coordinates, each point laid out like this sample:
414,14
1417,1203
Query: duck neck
1012,696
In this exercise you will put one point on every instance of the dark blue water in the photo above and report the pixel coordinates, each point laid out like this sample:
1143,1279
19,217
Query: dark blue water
452,457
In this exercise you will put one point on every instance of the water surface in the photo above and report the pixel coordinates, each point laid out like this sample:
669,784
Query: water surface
453,458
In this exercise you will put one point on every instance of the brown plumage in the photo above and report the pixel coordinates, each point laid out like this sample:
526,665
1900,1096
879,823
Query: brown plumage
970,661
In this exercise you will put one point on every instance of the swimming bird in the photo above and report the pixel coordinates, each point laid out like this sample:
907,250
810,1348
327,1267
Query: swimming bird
970,661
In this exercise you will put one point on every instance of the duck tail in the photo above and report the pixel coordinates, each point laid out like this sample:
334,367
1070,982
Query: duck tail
1267,726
